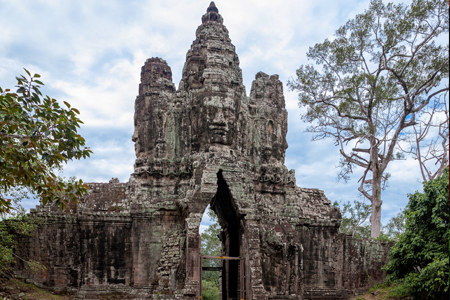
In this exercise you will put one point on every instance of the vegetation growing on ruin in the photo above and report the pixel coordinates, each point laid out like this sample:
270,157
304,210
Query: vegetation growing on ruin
18,224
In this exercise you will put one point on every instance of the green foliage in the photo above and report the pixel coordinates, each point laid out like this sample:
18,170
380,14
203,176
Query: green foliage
395,226
17,224
420,259
384,237
354,221
36,136
389,290
211,246
354,217
210,290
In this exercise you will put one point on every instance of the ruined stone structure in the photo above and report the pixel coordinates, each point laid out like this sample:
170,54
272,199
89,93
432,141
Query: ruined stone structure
205,143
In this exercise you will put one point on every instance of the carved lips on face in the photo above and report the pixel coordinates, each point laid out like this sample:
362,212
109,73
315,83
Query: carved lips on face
220,120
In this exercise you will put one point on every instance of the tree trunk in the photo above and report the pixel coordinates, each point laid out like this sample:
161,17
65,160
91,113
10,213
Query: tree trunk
375,218
377,175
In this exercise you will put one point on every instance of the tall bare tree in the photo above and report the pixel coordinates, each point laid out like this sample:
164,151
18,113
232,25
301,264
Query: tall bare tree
370,82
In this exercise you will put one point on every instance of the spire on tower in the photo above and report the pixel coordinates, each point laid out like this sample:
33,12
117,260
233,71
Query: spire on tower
212,14
212,7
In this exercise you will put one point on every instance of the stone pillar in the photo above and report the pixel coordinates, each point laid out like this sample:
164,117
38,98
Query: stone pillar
193,243
254,279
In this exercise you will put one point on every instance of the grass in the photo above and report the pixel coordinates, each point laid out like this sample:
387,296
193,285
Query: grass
15,289
385,291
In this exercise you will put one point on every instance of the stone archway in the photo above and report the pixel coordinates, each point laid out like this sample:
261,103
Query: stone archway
216,192
232,240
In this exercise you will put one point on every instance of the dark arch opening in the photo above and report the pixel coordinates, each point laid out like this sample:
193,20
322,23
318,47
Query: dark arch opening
231,237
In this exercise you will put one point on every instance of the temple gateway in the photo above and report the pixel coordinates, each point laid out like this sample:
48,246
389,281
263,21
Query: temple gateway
205,143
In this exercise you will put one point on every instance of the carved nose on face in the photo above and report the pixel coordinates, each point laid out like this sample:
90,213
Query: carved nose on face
219,119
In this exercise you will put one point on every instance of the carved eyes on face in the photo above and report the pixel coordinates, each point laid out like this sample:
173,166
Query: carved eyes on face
220,116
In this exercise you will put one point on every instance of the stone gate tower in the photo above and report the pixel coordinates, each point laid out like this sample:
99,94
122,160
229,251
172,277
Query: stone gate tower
205,143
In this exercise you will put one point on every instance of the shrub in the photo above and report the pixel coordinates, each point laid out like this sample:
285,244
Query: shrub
420,258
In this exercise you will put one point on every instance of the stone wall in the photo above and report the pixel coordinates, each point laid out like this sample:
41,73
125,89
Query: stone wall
205,143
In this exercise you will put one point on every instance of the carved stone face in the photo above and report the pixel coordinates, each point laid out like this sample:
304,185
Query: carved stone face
220,116
195,71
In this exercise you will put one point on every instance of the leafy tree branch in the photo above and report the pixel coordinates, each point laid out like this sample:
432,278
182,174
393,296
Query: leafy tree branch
37,135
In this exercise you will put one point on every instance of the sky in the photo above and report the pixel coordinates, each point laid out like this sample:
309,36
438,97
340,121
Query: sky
89,53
